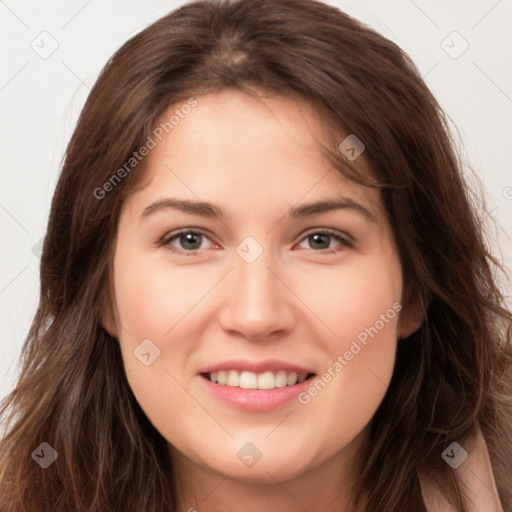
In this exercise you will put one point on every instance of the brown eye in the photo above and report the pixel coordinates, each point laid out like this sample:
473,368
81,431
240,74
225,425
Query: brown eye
189,243
321,241
186,242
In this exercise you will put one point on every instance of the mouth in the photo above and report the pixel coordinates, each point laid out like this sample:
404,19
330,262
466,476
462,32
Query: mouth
251,391
252,380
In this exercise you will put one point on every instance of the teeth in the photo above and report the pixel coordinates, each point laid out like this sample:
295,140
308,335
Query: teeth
251,380
281,379
248,380
266,381
233,378
292,378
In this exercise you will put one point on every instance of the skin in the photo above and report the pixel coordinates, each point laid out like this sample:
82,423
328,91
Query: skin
255,161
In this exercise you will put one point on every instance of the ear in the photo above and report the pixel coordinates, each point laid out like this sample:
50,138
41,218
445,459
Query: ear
411,318
106,313
109,324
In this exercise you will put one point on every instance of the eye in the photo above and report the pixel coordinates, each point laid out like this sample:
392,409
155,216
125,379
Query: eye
189,242
321,240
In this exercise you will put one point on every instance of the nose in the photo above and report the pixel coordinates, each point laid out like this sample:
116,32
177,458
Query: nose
257,304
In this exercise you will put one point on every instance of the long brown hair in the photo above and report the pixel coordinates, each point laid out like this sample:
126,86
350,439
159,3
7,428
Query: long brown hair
452,375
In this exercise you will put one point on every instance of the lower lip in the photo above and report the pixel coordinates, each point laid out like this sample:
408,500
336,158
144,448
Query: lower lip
255,399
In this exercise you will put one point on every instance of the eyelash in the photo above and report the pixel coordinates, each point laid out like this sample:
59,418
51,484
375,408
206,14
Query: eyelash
338,235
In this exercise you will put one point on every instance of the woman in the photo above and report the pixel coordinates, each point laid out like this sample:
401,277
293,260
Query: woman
256,370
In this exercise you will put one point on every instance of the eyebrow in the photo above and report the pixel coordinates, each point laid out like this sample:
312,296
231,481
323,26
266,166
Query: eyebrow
205,209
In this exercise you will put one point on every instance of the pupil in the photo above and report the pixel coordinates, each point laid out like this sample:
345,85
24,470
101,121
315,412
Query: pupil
189,238
315,240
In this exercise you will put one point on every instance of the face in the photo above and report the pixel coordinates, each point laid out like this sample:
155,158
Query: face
255,292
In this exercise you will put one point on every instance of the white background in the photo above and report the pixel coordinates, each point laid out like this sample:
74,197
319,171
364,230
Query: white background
40,100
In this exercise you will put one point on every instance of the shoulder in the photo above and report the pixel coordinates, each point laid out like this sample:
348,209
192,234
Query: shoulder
476,474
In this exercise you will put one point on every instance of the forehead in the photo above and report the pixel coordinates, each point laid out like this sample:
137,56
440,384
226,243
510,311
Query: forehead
246,152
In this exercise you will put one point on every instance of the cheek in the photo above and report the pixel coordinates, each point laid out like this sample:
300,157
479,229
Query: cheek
362,310
153,303
153,298
349,299
353,383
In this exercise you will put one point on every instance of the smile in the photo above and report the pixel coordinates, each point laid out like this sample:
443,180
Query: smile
274,392
252,380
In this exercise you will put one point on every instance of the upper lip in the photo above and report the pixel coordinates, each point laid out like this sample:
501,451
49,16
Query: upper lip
255,366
